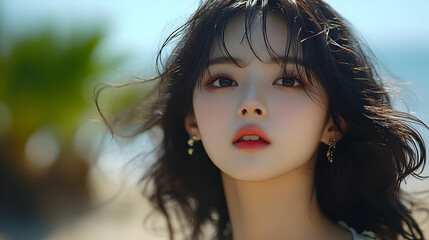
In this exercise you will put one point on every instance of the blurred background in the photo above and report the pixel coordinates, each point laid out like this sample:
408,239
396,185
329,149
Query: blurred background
61,176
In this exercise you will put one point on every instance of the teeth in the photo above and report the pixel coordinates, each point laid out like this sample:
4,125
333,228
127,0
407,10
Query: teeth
250,137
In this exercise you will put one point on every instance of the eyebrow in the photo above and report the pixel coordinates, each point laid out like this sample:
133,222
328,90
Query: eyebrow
224,60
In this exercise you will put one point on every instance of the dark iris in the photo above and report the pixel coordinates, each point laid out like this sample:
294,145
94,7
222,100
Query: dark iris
223,81
288,81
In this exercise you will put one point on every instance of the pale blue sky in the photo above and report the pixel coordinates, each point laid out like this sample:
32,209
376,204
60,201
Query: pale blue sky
137,27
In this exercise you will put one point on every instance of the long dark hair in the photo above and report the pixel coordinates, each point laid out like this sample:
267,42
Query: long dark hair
379,148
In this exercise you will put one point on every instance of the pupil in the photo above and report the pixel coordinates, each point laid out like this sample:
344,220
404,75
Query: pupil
222,81
288,81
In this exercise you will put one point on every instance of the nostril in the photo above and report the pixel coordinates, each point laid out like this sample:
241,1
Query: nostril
258,111
244,111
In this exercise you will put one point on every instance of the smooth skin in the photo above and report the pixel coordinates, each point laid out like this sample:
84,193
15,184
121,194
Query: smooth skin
267,190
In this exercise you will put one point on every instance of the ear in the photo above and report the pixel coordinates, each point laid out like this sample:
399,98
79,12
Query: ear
191,126
332,132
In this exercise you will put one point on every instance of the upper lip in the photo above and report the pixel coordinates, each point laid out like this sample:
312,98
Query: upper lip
250,130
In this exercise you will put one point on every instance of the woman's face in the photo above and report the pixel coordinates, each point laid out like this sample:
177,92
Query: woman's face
258,94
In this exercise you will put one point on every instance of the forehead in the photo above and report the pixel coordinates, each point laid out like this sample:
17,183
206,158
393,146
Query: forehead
265,42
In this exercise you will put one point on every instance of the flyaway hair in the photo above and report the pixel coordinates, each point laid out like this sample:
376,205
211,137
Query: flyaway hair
380,147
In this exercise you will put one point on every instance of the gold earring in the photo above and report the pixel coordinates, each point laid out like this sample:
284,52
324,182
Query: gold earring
191,143
331,150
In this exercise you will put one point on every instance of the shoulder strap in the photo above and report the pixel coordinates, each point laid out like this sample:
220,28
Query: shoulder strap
365,235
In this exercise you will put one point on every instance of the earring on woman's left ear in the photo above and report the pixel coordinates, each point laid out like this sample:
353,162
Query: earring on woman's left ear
191,144
331,150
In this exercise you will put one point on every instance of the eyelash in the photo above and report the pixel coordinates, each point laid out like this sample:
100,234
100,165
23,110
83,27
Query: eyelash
297,81
217,77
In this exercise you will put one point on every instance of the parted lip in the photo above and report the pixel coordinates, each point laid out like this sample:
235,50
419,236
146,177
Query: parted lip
250,130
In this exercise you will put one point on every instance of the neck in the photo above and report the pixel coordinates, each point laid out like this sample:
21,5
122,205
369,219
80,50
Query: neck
278,208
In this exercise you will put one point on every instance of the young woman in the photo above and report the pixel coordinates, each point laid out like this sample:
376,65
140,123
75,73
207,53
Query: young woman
276,125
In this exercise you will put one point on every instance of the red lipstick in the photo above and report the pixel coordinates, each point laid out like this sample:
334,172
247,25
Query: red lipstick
251,144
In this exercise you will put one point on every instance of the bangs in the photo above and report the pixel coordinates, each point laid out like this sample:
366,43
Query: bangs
259,11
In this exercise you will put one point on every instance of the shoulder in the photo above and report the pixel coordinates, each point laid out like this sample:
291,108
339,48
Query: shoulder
365,235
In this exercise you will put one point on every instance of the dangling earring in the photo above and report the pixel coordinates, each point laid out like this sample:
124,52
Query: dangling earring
191,143
331,150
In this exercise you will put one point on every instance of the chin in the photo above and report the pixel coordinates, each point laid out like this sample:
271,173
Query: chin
263,172
254,175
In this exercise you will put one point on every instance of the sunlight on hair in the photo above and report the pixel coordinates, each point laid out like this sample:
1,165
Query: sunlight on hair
42,149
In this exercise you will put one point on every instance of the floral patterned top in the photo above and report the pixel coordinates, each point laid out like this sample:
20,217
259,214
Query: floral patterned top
365,235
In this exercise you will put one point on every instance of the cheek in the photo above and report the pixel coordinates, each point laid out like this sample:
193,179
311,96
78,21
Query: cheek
212,113
298,114
300,124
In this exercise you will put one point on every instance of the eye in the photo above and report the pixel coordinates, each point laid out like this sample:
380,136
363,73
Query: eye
288,82
222,81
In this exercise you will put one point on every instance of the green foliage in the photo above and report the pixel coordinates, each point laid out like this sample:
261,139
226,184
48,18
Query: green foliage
43,79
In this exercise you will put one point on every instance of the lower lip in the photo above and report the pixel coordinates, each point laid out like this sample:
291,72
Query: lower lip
250,144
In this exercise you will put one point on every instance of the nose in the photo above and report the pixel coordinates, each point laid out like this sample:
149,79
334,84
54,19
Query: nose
252,106
252,109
